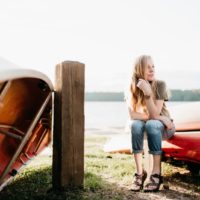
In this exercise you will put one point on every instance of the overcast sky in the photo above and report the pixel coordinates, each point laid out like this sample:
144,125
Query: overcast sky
106,35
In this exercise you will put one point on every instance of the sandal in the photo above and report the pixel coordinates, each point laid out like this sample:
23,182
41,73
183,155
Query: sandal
139,181
153,185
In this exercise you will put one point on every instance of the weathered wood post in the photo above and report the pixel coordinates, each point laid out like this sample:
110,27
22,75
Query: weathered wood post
68,128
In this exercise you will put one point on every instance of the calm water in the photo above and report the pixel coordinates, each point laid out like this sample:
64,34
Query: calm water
109,114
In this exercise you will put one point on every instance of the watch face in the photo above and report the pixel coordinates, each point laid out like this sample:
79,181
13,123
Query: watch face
146,96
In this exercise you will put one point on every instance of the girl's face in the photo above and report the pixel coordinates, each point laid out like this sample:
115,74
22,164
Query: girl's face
150,71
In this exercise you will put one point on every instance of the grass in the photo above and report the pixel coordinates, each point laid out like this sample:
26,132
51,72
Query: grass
107,176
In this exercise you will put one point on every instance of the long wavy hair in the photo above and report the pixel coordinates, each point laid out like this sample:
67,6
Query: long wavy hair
136,96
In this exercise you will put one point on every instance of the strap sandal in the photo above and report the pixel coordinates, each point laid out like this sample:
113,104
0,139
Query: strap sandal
154,183
138,181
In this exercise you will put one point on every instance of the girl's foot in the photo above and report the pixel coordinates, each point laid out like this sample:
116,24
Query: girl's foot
138,181
154,183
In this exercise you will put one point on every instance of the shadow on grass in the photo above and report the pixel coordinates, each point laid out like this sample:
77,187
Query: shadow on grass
29,184
32,185
186,180
37,184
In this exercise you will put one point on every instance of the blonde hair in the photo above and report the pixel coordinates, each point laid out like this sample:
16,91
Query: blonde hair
136,96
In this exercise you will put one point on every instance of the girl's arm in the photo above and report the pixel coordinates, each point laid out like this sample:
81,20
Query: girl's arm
132,114
137,115
154,109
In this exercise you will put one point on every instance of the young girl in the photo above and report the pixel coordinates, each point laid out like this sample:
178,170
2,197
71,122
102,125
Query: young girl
148,113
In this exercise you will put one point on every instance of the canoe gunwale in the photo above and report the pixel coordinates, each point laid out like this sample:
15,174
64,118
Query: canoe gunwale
18,73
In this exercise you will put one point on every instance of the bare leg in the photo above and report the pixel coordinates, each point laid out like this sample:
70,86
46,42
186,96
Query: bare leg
140,176
156,164
138,162
155,178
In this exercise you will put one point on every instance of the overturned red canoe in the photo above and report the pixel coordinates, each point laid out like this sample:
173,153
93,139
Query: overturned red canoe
25,117
185,145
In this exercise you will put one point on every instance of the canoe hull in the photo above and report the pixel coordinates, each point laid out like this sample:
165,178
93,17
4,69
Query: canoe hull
25,121
183,146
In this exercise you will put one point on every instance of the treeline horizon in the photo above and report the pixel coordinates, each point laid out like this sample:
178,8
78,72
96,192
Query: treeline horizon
175,95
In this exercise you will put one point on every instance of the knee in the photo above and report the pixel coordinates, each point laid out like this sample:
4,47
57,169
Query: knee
152,126
137,126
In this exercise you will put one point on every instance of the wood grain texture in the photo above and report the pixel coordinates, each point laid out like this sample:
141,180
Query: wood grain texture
68,145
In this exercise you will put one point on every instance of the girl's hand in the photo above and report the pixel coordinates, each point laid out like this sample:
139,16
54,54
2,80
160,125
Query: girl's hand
146,117
167,122
145,87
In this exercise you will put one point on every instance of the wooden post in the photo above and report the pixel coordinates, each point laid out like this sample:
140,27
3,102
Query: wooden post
68,128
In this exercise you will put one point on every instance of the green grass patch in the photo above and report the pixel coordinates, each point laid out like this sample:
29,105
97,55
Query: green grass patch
107,176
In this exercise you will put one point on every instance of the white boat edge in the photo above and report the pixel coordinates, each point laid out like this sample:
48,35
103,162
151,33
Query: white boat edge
10,71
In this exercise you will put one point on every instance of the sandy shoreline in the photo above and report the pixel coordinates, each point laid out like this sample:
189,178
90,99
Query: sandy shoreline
106,131
109,132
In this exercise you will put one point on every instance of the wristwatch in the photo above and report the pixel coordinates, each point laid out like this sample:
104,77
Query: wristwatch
147,96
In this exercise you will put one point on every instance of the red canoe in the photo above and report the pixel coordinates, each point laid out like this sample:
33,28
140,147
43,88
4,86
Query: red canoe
185,144
25,117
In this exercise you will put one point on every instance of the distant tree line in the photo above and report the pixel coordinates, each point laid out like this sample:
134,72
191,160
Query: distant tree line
185,95
175,95
104,96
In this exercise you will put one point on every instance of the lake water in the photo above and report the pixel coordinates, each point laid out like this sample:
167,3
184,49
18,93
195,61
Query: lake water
100,115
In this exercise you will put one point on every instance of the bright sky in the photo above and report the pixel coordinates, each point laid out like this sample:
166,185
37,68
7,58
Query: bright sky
106,35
